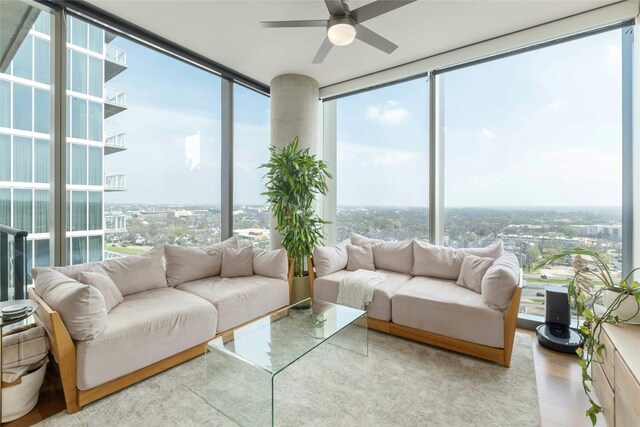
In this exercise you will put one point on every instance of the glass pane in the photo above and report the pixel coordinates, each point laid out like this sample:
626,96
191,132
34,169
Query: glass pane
96,80
5,206
5,157
42,59
159,151
383,162
22,156
68,213
42,112
68,164
79,210
79,32
533,156
78,118
22,105
95,166
41,211
95,121
79,164
95,248
78,250
78,72
41,257
5,104
22,210
41,160
251,149
95,210
96,39
43,23
22,61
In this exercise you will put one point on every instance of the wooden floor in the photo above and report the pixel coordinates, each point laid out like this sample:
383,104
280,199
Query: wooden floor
562,401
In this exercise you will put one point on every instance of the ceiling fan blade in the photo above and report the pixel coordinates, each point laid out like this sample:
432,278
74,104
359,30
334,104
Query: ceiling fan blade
377,8
335,7
374,39
325,47
290,24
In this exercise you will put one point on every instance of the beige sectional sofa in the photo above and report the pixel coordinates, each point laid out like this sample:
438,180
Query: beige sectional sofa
139,315
424,296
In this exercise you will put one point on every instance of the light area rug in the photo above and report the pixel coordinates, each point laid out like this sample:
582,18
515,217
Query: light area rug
400,383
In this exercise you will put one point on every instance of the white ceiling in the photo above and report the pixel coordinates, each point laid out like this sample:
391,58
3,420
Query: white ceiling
229,32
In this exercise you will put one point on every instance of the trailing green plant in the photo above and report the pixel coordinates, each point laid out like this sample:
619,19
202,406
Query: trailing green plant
294,179
584,295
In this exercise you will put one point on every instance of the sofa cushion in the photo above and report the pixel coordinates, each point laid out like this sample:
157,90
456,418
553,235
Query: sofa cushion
137,273
237,262
103,283
360,257
472,271
500,280
359,240
185,264
326,289
394,256
273,263
445,262
145,328
240,299
80,306
442,307
71,271
329,259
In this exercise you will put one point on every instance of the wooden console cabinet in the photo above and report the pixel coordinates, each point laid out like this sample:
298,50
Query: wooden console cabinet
617,380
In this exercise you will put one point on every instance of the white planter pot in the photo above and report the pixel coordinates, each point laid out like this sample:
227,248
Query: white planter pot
627,309
19,399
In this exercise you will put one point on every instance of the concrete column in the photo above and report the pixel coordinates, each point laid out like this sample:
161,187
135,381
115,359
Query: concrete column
294,112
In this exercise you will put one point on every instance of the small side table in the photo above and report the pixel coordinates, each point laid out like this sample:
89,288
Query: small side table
33,306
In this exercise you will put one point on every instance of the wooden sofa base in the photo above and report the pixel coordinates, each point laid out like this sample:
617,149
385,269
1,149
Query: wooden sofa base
480,351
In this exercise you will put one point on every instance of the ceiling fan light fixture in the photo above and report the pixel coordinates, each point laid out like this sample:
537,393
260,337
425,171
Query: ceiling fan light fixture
341,31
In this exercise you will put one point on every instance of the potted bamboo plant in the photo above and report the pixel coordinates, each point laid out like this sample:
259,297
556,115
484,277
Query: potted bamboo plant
294,179
609,301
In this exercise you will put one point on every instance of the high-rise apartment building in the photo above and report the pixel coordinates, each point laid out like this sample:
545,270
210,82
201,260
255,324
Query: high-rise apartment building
25,139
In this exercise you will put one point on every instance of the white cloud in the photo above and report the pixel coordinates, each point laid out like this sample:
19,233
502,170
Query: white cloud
390,113
556,105
488,133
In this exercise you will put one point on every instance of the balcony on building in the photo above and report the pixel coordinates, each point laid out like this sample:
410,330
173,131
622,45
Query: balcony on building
115,182
115,62
115,101
109,36
115,223
114,141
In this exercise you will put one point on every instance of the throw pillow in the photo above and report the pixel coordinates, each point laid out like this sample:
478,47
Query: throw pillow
185,264
237,262
137,273
436,261
472,271
80,306
329,259
103,283
359,240
272,263
394,256
494,250
500,281
360,257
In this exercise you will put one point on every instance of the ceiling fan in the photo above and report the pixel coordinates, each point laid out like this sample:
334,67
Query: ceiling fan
344,25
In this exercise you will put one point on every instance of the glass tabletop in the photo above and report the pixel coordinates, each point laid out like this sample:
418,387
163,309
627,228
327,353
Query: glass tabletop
276,341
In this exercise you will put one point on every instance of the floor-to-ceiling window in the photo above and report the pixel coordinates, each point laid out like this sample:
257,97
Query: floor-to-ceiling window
159,153
533,155
250,150
383,162
25,99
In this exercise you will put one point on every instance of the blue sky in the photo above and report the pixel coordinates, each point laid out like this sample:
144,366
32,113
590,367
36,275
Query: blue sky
537,129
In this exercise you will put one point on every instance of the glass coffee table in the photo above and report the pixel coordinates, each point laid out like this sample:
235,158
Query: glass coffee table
242,365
